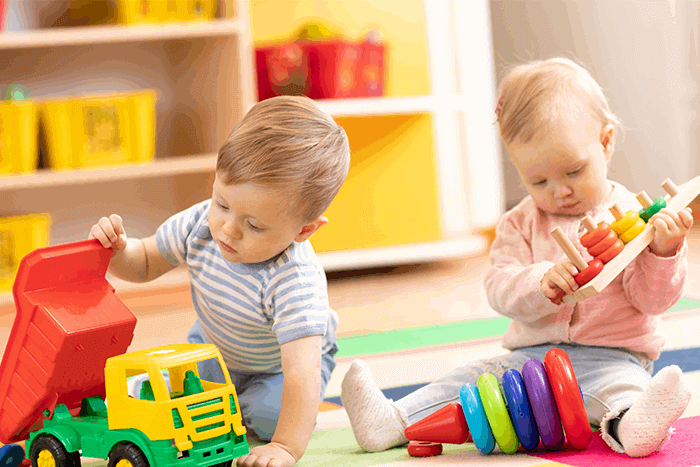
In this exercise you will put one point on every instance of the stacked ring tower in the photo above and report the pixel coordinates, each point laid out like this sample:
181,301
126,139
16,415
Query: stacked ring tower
544,402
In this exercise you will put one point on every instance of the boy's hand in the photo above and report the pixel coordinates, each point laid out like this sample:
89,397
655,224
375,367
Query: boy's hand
559,280
269,455
670,230
110,232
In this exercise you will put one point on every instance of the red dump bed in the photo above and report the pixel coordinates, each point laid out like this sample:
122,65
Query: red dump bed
68,323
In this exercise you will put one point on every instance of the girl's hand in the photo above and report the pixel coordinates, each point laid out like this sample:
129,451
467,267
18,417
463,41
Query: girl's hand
559,280
110,232
671,228
269,455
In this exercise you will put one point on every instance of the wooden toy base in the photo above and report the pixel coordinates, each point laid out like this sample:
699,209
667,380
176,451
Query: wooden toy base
687,193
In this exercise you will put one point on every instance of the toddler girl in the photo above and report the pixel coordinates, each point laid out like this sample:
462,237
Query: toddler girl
560,134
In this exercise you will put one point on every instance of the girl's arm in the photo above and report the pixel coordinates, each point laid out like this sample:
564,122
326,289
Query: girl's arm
301,397
513,282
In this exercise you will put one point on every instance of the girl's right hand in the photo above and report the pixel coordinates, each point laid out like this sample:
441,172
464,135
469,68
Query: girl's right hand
110,232
558,281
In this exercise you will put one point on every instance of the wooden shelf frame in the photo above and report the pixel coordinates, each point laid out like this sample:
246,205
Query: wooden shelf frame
114,33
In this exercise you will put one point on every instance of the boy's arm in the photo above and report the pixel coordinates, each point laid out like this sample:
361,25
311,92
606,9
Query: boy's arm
301,393
139,261
301,397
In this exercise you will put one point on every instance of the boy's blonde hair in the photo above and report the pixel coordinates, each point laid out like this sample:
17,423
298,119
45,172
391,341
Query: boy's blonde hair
288,142
537,96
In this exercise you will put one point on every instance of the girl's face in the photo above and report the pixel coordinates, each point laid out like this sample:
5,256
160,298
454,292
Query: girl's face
565,171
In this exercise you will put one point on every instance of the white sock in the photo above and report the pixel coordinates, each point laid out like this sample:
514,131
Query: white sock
377,422
645,426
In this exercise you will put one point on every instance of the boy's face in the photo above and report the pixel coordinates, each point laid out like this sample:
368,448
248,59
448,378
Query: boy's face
565,171
253,223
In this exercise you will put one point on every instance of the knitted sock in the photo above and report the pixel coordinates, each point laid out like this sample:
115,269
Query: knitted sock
645,426
377,422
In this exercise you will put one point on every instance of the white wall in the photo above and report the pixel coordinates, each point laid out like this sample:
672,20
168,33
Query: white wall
644,55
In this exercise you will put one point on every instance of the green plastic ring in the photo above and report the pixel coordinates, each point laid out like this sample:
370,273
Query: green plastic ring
659,204
497,413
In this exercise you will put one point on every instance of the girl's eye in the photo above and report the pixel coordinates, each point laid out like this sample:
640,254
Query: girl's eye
222,206
540,183
574,172
254,227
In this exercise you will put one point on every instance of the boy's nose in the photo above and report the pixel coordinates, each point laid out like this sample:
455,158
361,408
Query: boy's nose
232,231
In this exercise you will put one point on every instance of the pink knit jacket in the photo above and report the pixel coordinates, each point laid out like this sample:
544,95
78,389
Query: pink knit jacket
625,314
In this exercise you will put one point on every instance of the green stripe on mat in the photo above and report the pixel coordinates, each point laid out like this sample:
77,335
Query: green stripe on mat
442,334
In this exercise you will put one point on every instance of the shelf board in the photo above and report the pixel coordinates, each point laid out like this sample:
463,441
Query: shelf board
110,33
158,168
403,254
369,106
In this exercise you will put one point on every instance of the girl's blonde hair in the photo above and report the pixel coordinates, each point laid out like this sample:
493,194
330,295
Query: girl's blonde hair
288,142
536,97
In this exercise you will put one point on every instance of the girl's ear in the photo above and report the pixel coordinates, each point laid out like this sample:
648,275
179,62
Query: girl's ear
607,140
309,229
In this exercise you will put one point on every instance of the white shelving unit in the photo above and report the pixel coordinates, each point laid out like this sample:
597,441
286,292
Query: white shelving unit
205,76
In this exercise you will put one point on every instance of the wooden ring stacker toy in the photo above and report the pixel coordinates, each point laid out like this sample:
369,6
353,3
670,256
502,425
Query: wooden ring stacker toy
424,449
497,413
476,418
567,394
677,199
520,410
650,207
601,241
543,405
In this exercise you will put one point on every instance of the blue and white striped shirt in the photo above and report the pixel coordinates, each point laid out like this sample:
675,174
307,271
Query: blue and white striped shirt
249,310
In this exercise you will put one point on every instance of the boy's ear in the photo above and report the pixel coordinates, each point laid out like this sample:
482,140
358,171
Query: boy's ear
607,139
311,228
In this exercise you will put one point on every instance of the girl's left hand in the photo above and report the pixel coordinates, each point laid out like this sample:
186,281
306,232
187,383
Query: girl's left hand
670,230
268,455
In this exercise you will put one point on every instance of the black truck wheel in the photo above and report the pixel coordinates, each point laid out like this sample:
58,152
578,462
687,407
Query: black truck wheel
126,455
47,451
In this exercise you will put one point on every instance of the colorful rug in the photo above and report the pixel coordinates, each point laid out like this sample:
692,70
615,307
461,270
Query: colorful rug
406,359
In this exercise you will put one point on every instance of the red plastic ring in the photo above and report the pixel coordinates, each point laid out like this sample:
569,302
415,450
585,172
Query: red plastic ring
567,393
603,245
424,449
593,269
591,238
611,252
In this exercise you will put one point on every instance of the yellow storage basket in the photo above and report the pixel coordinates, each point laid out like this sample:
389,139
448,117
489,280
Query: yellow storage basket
98,131
18,136
140,11
19,236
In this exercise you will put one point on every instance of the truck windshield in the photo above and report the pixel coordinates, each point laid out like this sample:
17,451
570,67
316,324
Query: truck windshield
180,380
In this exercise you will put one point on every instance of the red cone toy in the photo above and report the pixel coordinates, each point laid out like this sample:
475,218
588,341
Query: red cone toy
447,425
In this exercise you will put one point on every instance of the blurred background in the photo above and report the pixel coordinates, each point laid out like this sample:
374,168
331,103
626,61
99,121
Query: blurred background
121,105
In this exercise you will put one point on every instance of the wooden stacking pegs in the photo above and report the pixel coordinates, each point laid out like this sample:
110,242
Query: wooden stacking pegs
587,271
627,225
601,241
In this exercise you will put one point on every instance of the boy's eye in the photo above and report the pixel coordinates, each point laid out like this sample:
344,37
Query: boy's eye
253,226
573,172
539,183
222,206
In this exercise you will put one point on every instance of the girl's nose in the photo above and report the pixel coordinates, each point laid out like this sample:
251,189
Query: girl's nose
562,191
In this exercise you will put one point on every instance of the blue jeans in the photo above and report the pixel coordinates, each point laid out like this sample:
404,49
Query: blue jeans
260,394
611,379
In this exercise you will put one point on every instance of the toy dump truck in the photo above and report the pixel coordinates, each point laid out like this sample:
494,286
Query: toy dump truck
66,354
